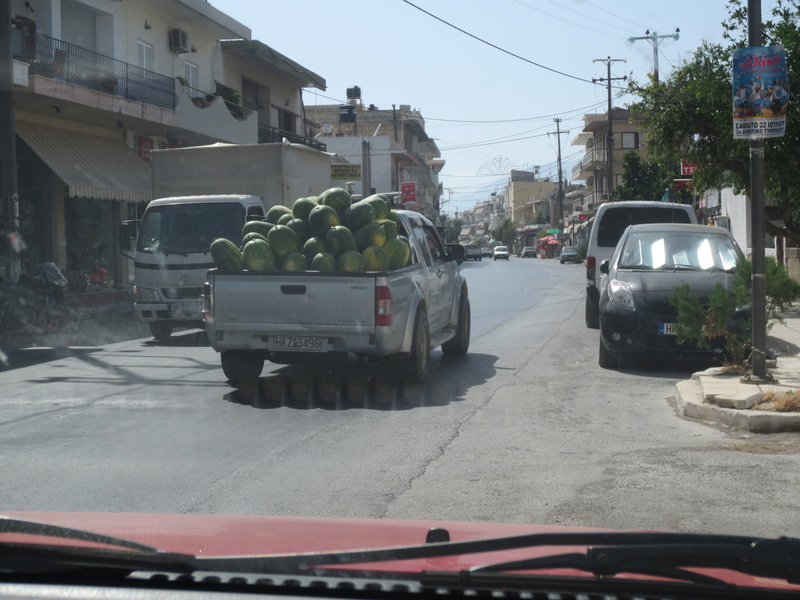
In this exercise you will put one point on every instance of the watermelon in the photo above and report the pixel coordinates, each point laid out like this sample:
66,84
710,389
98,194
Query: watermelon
375,258
283,241
389,228
284,219
321,219
261,227
226,255
398,252
301,228
258,256
339,239
337,198
276,212
360,214
379,203
352,262
324,261
248,237
394,217
370,235
294,261
303,206
312,247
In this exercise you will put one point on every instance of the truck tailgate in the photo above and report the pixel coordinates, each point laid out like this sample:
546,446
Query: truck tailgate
295,302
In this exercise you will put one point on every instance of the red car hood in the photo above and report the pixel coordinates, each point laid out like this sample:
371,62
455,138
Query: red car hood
226,535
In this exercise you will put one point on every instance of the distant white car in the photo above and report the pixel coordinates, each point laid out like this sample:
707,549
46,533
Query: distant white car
500,252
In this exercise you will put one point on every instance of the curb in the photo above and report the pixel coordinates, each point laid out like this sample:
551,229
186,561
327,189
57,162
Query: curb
691,402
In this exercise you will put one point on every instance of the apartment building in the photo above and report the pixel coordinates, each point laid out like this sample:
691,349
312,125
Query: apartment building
626,135
390,147
99,84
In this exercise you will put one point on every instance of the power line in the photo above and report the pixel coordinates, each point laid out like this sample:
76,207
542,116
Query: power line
572,22
496,47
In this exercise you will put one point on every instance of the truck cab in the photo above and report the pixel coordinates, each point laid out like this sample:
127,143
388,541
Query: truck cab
172,256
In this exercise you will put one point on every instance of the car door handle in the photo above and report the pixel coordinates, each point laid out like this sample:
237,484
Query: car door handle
439,273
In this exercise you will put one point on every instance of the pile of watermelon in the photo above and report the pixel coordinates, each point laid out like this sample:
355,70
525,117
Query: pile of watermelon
319,233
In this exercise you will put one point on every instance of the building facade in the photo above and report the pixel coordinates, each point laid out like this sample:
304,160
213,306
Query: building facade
390,147
100,84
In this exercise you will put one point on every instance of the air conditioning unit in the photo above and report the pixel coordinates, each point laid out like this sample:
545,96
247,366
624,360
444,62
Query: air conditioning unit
178,40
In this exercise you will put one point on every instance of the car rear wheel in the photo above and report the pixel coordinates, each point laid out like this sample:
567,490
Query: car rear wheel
241,366
592,315
161,330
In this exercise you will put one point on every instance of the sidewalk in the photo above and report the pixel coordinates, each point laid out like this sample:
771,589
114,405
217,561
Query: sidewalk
732,401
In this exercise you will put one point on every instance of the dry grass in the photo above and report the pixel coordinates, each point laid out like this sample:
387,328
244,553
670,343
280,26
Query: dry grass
781,402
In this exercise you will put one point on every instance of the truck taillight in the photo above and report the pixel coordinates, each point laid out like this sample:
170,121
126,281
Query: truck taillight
591,262
383,305
208,291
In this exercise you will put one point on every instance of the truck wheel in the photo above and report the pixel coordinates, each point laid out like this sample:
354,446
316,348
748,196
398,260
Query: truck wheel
592,315
241,366
459,345
161,330
606,358
419,366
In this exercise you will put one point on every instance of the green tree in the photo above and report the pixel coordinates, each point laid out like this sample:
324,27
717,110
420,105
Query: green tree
641,180
504,233
689,116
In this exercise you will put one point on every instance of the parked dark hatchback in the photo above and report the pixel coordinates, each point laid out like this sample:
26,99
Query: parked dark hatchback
650,261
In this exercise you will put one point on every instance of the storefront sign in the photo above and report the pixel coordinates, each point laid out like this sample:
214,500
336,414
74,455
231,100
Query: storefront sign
687,168
408,192
145,148
346,172
760,92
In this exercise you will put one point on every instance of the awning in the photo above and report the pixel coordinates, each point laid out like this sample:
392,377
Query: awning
92,166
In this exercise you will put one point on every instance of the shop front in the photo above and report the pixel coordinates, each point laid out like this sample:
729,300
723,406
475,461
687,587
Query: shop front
75,189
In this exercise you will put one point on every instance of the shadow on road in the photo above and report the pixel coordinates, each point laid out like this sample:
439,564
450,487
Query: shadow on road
365,386
185,339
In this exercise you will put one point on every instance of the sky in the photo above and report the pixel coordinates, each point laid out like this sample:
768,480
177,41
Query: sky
489,77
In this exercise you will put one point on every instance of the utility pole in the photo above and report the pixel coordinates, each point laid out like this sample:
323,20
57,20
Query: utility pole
560,201
758,358
8,148
366,169
610,136
655,40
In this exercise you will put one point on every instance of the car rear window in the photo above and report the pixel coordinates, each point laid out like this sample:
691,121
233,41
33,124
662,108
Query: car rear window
617,219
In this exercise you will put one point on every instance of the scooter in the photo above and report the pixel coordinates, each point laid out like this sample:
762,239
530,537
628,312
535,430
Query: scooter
35,304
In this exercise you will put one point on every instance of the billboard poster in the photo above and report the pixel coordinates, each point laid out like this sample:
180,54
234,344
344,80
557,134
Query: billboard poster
408,192
760,92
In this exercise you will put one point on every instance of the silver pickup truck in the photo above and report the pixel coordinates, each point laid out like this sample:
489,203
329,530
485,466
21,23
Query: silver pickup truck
287,317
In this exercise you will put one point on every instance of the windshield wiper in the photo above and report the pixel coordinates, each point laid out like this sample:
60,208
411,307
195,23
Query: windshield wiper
608,553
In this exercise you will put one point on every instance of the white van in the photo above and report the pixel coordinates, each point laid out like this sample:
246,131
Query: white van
609,223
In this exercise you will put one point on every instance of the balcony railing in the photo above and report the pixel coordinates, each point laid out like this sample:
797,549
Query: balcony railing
596,155
271,135
73,64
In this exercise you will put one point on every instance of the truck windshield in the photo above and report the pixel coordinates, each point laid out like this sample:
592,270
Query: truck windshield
189,227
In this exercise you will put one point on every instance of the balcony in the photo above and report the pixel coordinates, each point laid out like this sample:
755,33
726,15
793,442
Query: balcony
269,135
593,160
78,66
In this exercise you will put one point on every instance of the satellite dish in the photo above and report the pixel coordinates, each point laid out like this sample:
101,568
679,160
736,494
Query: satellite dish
327,129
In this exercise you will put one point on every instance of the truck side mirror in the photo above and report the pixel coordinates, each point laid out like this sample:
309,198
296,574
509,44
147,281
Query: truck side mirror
128,232
456,252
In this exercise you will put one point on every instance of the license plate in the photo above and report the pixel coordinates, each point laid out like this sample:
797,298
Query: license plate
187,308
292,343
666,329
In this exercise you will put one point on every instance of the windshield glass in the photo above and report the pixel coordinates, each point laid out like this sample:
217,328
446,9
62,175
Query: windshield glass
659,250
189,228
335,261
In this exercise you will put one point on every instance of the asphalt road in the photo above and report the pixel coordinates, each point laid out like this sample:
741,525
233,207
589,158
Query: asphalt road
526,428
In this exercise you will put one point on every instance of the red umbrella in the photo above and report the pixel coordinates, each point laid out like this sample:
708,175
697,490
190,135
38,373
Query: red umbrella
553,242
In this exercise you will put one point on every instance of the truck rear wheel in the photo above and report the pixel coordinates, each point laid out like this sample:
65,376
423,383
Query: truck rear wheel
592,315
419,366
241,366
459,345
161,330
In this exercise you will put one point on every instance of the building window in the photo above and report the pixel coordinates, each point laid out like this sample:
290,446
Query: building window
192,75
145,55
286,121
630,140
